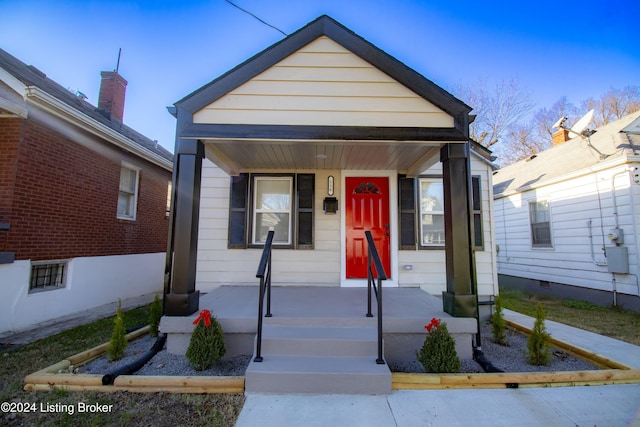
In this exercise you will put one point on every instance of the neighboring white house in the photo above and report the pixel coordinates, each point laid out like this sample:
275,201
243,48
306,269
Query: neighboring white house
567,218
319,121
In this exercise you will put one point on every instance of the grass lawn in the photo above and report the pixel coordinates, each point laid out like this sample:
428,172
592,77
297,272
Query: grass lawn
157,409
612,322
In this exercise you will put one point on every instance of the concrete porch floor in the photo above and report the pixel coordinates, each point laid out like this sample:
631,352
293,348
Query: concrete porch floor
405,313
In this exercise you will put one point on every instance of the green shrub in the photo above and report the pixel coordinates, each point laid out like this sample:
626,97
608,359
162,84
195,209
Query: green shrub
118,343
438,353
498,324
538,341
206,347
155,314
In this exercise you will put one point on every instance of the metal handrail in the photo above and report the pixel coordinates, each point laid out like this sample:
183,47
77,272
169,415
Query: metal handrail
264,274
374,258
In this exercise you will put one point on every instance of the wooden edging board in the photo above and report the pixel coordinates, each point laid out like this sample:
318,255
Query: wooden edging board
57,376
613,373
50,377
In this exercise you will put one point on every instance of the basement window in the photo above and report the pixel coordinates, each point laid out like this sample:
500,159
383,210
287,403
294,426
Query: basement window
47,275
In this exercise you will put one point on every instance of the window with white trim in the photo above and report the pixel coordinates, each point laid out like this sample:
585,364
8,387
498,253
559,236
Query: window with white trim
431,199
421,213
280,202
128,192
540,221
272,209
47,275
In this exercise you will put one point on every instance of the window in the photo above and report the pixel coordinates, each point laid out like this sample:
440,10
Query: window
540,218
421,205
128,194
431,199
272,209
47,275
282,203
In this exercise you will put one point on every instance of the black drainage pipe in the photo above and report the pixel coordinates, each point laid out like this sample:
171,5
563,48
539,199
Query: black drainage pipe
110,377
479,357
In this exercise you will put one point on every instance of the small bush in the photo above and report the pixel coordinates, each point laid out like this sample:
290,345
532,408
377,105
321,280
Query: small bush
538,341
155,314
118,343
498,324
438,353
206,347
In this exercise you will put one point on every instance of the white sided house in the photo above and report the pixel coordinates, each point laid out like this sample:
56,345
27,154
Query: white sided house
567,218
322,138
318,138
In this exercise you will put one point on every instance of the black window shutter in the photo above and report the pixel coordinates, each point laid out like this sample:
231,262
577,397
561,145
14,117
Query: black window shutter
407,217
305,187
238,204
477,213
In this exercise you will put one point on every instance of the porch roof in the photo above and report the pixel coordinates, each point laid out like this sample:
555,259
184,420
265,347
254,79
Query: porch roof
322,98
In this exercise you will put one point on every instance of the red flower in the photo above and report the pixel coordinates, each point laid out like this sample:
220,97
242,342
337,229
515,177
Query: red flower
204,315
434,324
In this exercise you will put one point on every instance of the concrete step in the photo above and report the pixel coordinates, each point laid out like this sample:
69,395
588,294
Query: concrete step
319,341
318,375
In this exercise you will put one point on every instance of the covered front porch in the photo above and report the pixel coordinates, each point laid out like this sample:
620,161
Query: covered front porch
324,118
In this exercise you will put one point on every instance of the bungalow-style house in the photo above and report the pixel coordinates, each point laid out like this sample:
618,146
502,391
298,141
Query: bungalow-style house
567,218
319,138
83,199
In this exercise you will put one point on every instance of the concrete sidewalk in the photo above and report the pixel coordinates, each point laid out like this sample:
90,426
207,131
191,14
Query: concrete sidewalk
607,405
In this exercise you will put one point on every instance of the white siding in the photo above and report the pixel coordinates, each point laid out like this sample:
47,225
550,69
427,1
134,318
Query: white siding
218,265
321,266
428,266
323,84
573,203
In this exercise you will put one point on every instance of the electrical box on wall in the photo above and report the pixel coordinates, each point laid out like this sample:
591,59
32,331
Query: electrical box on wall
617,259
616,235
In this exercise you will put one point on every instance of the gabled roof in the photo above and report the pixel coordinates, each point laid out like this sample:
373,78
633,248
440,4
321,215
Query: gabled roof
30,76
615,140
326,26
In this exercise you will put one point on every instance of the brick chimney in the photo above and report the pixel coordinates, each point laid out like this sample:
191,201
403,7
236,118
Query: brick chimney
112,90
560,136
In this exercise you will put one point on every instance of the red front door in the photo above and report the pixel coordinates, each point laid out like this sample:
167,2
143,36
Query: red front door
367,208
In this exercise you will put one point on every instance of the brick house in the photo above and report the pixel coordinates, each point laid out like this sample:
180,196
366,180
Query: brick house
83,199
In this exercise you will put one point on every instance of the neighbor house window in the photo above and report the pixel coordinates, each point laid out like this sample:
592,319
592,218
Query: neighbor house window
128,194
431,199
421,203
282,203
540,218
48,275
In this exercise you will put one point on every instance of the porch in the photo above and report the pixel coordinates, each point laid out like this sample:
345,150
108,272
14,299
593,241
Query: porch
319,339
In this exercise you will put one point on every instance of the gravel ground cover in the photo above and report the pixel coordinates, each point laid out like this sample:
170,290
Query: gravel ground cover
510,358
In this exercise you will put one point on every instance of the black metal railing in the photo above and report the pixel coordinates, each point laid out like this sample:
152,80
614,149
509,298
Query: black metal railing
374,281
264,274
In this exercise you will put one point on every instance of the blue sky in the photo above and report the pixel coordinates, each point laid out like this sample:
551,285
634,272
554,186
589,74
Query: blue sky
171,48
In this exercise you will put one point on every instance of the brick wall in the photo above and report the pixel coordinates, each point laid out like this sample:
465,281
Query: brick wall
10,131
66,194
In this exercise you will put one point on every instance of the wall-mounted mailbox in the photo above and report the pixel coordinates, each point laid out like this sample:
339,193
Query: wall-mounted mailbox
330,205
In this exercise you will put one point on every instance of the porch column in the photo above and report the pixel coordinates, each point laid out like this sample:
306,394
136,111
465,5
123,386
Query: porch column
460,299
183,298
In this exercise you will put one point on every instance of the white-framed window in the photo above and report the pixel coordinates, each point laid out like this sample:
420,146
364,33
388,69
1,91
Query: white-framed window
272,209
431,206
47,275
540,221
128,192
